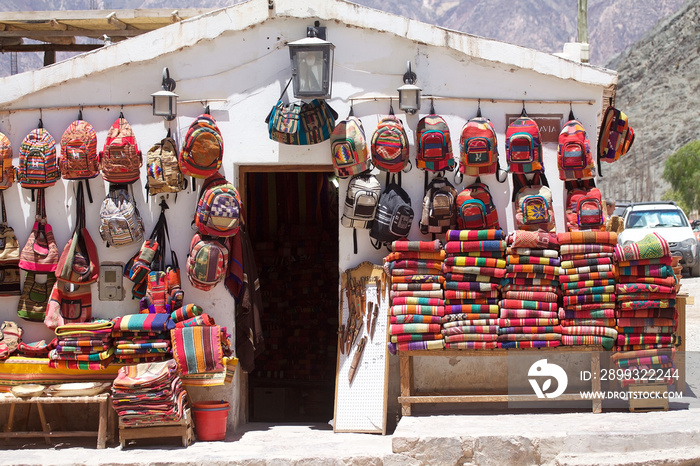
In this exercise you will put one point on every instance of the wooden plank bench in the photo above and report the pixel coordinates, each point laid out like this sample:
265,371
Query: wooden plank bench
409,397
105,427
184,428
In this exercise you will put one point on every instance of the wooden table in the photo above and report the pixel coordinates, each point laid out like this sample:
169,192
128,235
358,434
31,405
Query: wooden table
409,397
105,423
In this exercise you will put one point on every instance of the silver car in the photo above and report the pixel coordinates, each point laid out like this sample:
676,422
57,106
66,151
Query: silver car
670,222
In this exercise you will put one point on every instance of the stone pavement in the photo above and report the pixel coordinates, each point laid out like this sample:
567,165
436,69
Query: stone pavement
569,438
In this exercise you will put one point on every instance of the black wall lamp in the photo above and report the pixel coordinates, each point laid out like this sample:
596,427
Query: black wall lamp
165,100
312,64
409,93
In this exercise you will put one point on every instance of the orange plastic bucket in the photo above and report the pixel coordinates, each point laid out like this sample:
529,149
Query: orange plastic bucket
210,420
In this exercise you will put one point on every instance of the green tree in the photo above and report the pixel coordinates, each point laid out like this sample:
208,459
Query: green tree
682,170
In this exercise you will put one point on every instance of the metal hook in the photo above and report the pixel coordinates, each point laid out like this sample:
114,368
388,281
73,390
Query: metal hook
571,111
523,113
432,106
478,109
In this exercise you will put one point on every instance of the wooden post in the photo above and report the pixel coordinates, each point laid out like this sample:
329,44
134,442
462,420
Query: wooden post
406,370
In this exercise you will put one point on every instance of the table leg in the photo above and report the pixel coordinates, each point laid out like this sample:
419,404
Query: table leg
406,370
102,426
10,418
597,404
44,425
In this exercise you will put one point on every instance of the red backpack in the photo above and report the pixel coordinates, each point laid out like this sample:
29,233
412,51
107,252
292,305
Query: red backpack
478,148
584,209
78,159
203,148
433,144
574,158
524,146
475,208
120,159
390,145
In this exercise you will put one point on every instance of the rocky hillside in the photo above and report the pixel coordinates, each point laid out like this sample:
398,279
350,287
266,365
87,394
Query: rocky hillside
659,90
540,24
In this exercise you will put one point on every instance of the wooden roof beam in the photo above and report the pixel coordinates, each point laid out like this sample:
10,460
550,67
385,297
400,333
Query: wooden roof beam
116,22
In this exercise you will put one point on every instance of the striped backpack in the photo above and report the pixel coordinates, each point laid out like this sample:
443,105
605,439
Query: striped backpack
203,148
524,146
162,168
78,159
476,209
574,158
478,148
121,159
38,167
7,171
532,200
120,221
35,297
207,262
390,148
584,209
349,148
219,208
616,136
433,144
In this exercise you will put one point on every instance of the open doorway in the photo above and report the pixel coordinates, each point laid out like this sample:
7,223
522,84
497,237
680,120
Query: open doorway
292,218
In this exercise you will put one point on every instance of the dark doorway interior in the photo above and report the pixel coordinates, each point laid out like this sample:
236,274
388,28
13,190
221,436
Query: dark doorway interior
293,224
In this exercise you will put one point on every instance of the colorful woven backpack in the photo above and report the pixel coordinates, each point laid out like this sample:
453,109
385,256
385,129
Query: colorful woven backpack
207,262
616,136
390,148
478,148
532,201
524,146
38,167
121,159
219,208
574,158
203,148
163,169
78,159
349,148
433,144
8,175
584,209
476,209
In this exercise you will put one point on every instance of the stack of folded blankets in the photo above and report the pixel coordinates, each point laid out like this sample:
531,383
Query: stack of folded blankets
529,308
142,338
417,302
587,279
148,393
646,305
474,267
84,345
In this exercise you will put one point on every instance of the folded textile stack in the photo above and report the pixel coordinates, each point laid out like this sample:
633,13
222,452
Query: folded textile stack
417,302
474,267
142,338
646,306
587,280
84,345
148,393
529,308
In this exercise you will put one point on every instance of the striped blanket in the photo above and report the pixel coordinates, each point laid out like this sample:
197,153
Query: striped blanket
667,281
543,288
586,276
661,271
451,320
588,340
416,286
455,294
405,245
470,286
643,322
593,314
552,253
603,322
417,309
530,329
590,330
583,237
533,240
414,264
473,246
486,322
631,288
406,337
197,349
572,264
475,262
590,290
474,235
532,268
471,309
665,260
527,322
417,346
529,344
574,286
588,298
488,271
144,323
529,337
625,339
418,301
532,296
416,294
470,277
456,330
396,256
397,329
471,337
588,269
527,304
645,296
415,319
647,304
554,261
527,313
471,345
532,281
566,249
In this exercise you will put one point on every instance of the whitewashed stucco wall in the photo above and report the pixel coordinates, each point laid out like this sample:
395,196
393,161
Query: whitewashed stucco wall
240,74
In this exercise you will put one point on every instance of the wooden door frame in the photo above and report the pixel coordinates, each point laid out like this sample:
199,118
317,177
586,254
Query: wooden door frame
243,171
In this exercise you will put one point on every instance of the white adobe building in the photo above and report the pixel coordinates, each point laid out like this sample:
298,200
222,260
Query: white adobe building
236,61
